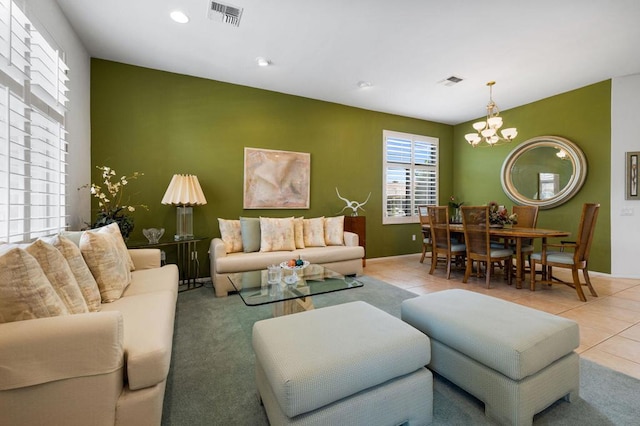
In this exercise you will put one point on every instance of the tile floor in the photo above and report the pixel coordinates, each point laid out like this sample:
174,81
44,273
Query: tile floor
609,324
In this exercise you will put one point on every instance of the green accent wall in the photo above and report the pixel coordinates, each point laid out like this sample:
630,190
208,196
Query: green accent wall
584,117
161,123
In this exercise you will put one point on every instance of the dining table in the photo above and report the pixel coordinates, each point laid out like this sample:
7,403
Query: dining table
517,234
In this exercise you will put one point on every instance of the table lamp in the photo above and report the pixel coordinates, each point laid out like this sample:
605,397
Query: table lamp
184,191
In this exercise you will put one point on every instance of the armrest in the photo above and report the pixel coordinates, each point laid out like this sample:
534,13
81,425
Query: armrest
217,249
57,348
351,239
145,258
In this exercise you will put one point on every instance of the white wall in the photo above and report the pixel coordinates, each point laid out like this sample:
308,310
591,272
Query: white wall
625,230
49,19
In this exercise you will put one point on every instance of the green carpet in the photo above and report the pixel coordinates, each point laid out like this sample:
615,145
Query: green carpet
211,381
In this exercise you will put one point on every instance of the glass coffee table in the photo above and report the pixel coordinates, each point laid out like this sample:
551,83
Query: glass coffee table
286,296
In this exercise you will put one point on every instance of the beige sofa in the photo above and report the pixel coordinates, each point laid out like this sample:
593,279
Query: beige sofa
345,259
99,368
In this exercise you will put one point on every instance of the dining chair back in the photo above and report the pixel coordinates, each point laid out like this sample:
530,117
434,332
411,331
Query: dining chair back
423,214
475,222
527,217
576,260
442,245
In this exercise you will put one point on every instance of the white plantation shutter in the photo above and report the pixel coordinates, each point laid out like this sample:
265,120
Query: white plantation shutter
33,146
410,175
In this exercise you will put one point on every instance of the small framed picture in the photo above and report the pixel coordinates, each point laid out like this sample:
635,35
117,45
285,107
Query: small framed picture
632,175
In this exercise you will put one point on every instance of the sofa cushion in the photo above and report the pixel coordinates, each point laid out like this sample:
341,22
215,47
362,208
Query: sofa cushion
230,234
276,234
148,335
84,278
250,233
108,267
25,291
59,274
334,231
298,231
240,262
314,232
144,281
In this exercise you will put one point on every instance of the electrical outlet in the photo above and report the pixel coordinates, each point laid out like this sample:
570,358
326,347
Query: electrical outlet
413,237
627,211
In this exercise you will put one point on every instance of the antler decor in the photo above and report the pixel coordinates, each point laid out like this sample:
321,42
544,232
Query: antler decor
353,205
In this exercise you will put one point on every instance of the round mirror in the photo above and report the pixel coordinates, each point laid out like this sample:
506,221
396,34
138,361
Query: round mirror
545,171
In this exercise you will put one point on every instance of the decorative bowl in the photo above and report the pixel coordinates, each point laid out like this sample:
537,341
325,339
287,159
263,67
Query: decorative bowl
153,234
284,265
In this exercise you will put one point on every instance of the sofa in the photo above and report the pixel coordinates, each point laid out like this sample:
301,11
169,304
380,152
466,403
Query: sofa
250,244
108,366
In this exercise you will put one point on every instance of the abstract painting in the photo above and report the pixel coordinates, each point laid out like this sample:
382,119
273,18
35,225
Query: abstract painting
276,179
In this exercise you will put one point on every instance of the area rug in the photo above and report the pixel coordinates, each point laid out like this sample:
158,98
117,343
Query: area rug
211,381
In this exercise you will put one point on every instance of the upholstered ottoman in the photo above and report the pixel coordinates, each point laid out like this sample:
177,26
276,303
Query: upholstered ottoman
517,360
346,364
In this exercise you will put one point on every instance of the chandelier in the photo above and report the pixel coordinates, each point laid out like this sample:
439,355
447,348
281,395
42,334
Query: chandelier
487,131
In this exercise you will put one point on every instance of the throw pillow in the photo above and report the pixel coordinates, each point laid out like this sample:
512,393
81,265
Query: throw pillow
107,266
86,282
114,230
230,234
276,234
25,291
314,232
59,274
298,232
250,234
334,231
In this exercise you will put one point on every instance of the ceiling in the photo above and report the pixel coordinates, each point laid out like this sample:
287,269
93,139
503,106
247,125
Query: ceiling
404,48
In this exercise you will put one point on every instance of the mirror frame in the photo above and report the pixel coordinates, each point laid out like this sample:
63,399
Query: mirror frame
576,181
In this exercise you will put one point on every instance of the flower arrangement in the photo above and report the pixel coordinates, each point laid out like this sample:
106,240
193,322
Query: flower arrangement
111,201
500,216
455,203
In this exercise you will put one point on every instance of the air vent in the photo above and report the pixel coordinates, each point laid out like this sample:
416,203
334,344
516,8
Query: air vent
451,80
225,13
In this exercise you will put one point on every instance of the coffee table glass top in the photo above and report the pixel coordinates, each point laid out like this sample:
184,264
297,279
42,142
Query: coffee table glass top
254,289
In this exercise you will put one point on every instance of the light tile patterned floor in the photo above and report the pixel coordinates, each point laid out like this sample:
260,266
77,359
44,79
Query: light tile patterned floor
609,324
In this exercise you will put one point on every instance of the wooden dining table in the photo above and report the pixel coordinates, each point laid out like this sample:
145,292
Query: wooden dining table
517,234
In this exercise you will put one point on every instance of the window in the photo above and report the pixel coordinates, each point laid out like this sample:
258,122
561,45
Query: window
32,137
410,175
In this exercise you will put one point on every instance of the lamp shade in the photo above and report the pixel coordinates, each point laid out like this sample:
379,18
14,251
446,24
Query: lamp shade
184,190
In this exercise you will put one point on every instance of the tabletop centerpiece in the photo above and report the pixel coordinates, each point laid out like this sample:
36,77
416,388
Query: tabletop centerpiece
499,216
454,205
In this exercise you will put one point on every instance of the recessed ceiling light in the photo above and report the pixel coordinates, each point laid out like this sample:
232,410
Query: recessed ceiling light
364,84
179,17
263,62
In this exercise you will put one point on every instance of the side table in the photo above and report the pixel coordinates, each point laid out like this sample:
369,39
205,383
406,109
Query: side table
358,225
187,258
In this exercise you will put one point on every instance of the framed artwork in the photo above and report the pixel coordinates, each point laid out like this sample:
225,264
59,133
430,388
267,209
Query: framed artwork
632,175
276,179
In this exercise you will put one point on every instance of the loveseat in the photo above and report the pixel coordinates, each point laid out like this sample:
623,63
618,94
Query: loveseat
245,245
108,366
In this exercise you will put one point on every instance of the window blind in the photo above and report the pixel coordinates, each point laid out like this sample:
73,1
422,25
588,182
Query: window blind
33,147
410,175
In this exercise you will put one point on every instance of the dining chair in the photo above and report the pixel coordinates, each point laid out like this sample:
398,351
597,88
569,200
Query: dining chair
423,214
475,222
576,260
441,243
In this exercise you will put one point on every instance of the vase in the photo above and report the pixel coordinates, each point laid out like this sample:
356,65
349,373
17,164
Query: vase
125,222
456,216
